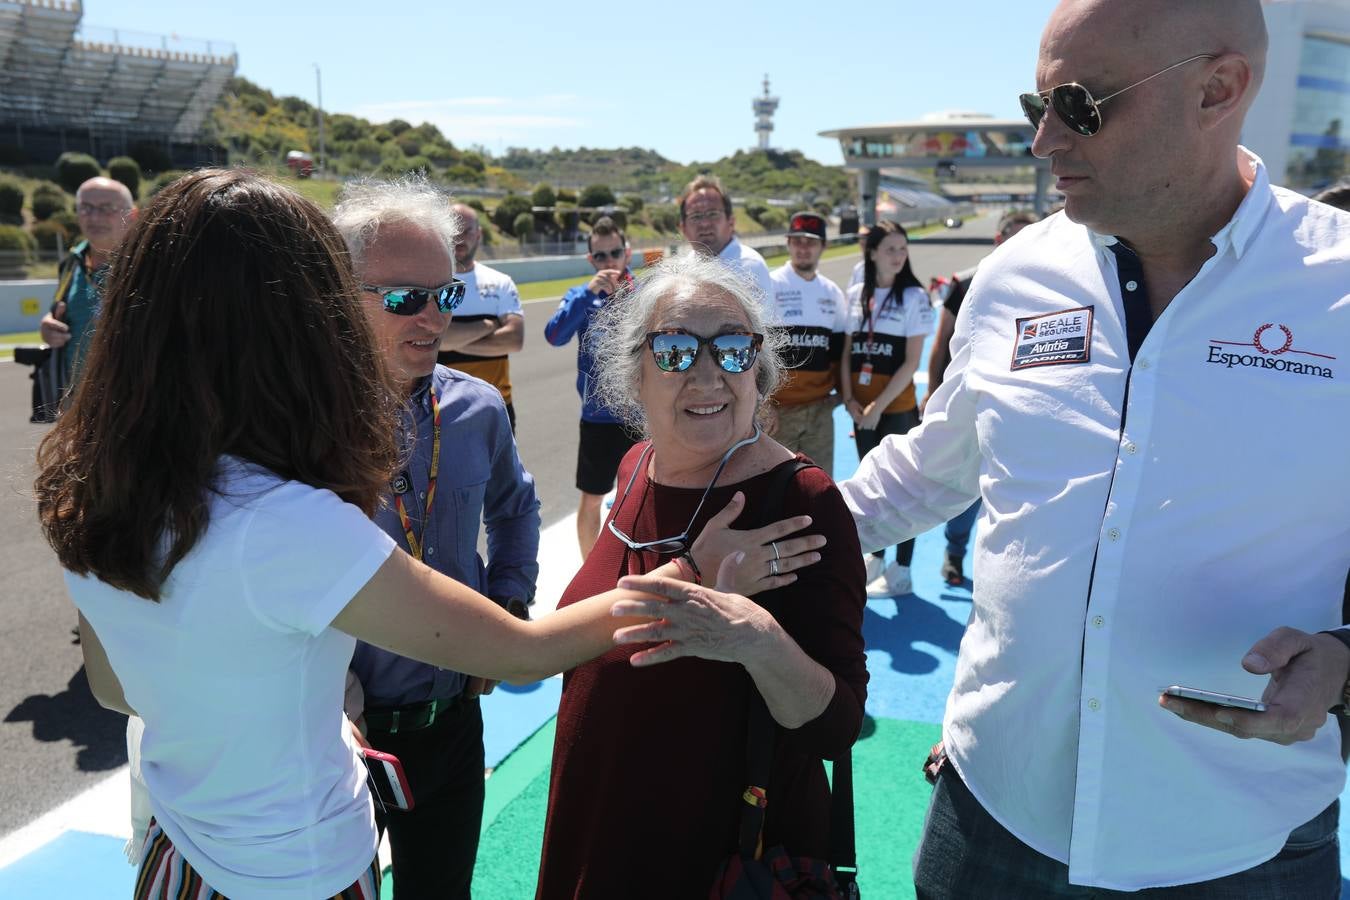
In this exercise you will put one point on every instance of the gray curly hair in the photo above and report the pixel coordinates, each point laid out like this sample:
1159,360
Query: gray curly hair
368,204
617,334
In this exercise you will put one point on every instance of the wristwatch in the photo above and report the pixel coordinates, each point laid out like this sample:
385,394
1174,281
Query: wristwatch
1342,708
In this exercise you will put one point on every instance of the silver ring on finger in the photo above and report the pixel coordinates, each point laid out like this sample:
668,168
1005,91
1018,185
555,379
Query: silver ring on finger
774,545
773,567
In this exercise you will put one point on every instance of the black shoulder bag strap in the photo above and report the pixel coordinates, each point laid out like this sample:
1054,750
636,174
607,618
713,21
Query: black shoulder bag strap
759,753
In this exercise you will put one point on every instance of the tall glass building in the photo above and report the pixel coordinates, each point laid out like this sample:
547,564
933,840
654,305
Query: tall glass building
1300,122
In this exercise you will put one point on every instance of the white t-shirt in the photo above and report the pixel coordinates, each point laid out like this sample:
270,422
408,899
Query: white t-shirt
487,294
856,276
814,314
239,678
750,262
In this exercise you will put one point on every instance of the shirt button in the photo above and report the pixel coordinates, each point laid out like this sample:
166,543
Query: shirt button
1131,448
1131,285
422,494
431,551
1094,704
1098,621
1143,363
1114,534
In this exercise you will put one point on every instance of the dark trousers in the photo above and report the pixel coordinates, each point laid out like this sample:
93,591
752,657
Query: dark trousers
435,843
958,531
966,853
867,439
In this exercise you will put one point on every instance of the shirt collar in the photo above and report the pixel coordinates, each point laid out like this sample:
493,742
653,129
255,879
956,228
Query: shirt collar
1239,230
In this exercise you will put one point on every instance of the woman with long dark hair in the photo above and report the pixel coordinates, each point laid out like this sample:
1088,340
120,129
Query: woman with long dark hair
208,492
889,317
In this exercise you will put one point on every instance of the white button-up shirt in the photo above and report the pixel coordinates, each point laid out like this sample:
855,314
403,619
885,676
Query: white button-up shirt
1143,526
748,260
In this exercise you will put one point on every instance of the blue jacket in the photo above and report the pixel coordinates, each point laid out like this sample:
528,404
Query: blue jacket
573,317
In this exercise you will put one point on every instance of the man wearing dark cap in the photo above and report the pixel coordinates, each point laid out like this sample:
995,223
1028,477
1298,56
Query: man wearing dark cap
811,309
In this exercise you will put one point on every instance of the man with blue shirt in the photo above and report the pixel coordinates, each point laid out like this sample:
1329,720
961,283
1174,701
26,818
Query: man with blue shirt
461,469
604,440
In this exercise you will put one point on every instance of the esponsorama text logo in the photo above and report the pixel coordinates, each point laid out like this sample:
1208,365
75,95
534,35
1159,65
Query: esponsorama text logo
1271,344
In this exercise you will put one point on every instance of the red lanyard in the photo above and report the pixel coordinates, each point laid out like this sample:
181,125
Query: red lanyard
414,545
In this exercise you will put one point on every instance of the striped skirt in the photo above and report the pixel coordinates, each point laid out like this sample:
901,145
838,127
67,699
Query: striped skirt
166,875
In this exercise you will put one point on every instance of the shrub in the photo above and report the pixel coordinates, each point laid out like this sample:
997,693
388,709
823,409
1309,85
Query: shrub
566,196
664,219
632,202
163,180
11,201
508,210
128,171
754,209
523,226
773,220
70,222
477,204
48,200
596,195
16,248
543,196
619,217
51,236
408,166
74,169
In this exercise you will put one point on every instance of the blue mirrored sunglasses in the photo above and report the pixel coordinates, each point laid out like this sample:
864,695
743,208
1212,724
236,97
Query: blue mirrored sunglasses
409,301
676,350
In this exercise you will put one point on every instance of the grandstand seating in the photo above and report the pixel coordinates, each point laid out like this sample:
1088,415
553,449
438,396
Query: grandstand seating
114,85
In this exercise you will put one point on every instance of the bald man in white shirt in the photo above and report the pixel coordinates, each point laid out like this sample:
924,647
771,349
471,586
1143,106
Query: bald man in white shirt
1147,393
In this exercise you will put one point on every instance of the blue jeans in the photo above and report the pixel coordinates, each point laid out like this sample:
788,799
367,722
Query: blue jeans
966,853
958,531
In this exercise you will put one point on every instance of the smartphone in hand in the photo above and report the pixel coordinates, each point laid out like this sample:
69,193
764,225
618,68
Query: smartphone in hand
1231,701
388,784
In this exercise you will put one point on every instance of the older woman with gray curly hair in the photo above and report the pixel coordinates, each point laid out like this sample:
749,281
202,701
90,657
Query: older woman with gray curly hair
650,753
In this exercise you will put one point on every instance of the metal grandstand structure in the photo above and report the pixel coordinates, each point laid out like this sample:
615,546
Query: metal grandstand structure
100,90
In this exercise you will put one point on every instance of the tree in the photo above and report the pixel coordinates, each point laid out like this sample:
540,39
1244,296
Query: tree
397,126
664,219
773,220
128,171
543,196
596,195
48,199
508,210
74,169
523,226
163,180
632,202
16,249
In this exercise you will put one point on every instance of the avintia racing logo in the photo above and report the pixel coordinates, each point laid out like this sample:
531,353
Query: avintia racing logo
1271,347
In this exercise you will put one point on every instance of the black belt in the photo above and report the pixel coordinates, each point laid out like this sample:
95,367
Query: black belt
412,717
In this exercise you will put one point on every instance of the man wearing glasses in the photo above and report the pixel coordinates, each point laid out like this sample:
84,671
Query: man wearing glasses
812,310
490,324
709,225
105,209
1148,394
604,440
461,468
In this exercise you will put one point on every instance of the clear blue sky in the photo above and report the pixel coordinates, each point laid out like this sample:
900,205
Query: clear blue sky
677,77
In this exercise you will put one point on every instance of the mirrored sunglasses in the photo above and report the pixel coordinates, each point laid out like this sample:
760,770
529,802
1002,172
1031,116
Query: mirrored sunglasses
677,350
409,301
1075,105
602,255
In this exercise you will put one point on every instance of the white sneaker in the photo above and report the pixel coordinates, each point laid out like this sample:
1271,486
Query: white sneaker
876,565
893,582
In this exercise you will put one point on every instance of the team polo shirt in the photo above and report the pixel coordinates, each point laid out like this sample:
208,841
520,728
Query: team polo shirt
878,335
487,294
1148,516
815,315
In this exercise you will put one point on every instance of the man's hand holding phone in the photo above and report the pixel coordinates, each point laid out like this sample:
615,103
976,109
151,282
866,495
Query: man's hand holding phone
1307,676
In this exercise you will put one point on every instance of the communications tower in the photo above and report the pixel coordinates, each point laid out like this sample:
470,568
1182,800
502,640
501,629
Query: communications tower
764,108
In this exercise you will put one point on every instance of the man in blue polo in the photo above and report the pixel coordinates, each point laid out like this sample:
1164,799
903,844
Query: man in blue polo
461,469
604,440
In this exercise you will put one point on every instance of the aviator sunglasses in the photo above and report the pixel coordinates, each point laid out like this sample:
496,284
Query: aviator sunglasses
676,350
409,301
1075,105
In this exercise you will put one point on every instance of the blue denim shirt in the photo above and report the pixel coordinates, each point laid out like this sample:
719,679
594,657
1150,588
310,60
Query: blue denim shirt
480,479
